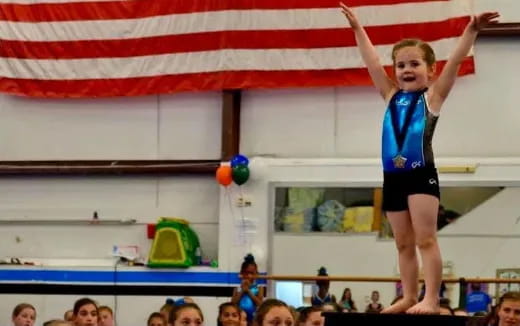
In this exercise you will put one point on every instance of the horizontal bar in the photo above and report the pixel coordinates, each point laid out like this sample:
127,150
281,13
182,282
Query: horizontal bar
67,222
112,167
457,169
142,276
377,279
502,29
115,289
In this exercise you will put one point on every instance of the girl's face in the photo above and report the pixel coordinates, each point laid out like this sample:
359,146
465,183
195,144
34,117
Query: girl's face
315,319
69,315
249,272
229,316
375,296
509,313
411,70
105,318
165,313
323,285
87,316
347,294
156,321
243,318
26,317
188,317
278,316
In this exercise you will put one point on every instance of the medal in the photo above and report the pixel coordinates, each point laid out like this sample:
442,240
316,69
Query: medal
399,161
400,133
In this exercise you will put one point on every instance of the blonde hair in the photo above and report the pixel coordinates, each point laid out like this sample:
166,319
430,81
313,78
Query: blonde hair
428,53
106,308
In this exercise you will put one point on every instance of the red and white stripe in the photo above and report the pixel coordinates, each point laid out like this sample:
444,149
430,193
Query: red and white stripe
56,48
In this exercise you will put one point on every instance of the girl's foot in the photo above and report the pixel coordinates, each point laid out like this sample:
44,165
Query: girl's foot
425,307
400,306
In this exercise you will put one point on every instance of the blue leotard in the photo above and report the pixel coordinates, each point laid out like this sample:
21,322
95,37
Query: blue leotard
417,145
247,304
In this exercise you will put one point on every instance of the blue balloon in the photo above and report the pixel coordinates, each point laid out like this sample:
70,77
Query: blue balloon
239,159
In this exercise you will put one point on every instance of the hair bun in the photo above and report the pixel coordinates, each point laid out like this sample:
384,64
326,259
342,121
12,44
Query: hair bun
249,258
322,271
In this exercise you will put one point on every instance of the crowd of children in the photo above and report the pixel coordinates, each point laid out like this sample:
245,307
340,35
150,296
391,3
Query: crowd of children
269,312
248,307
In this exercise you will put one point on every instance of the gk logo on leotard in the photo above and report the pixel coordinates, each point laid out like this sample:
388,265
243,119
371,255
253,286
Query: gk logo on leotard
403,101
433,181
416,164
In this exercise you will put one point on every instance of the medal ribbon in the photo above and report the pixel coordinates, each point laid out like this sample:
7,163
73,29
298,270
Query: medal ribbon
400,134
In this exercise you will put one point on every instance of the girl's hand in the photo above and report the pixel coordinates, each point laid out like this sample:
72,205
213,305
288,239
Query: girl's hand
351,17
245,285
478,22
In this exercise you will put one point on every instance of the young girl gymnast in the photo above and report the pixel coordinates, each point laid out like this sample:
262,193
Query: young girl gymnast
411,186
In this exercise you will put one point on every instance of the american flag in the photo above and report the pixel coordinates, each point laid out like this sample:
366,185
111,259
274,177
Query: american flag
87,48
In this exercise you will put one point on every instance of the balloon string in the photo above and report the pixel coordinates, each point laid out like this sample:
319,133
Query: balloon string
228,195
242,202
244,228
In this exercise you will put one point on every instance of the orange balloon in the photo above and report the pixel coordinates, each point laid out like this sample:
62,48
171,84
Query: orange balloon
224,175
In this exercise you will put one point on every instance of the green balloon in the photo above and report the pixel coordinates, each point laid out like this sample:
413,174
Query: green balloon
240,174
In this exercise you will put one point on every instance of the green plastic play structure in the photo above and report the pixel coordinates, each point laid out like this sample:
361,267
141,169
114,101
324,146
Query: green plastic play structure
175,244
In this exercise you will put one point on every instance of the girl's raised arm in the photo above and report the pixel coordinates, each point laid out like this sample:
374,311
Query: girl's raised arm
383,83
442,87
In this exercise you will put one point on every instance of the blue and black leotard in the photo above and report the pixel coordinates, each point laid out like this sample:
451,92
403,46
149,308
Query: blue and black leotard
416,150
